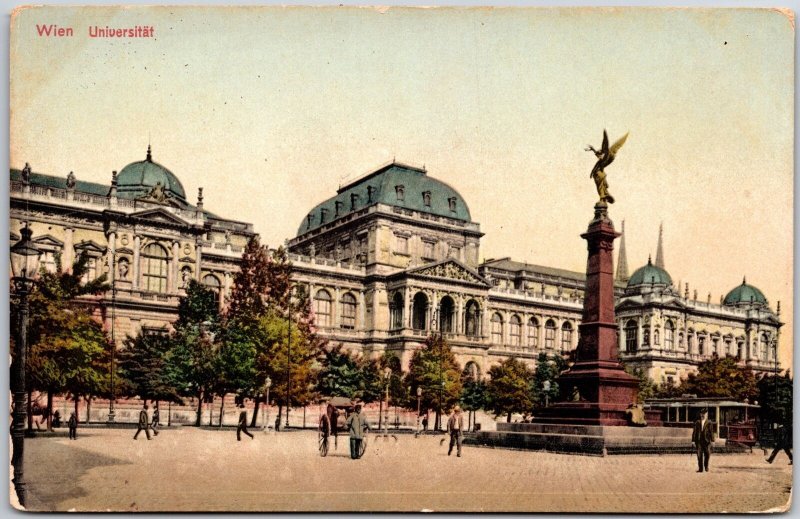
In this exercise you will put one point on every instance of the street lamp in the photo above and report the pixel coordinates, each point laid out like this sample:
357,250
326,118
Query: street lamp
387,375
24,266
267,385
113,277
419,410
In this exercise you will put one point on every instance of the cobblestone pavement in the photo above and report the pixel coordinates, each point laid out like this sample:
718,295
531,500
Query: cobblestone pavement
186,469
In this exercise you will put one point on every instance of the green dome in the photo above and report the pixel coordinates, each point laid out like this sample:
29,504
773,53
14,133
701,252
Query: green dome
138,179
745,294
397,185
650,275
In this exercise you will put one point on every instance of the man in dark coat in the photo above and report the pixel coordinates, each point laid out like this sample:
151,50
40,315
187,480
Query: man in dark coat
73,426
156,419
703,437
784,442
455,426
242,428
144,423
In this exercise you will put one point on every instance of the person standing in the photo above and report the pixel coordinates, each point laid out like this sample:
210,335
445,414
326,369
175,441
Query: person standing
703,437
784,442
242,428
156,419
356,425
144,422
455,426
73,426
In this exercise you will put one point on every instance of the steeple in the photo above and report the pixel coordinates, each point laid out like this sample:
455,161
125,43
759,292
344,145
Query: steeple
622,258
149,155
660,249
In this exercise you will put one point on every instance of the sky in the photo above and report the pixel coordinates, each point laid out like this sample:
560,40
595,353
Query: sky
271,109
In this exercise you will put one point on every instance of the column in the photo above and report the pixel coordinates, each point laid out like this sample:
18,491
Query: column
68,254
136,243
226,286
197,259
639,336
335,308
172,273
362,311
459,317
111,256
407,323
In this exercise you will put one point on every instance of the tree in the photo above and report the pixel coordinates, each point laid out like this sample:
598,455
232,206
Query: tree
340,374
548,367
68,350
433,367
721,377
775,397
647,388
144,366
473,394
193,360
509,388
251,284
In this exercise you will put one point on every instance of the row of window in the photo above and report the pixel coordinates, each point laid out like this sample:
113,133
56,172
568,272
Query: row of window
515,333
401,247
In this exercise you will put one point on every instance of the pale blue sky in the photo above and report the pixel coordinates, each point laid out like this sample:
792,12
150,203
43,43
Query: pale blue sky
269,109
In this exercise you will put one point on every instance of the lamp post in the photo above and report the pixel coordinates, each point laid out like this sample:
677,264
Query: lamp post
288,366
113,277
267,385
419,409
387,375
24,266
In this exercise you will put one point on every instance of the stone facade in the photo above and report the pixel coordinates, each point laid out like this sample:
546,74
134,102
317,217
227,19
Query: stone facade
147,241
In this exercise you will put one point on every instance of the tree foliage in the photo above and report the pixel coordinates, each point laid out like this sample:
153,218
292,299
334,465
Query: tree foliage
775,398
721,377
509,389
433,367
548,367
146,368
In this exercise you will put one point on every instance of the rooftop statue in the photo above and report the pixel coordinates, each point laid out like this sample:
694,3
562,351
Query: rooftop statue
605,156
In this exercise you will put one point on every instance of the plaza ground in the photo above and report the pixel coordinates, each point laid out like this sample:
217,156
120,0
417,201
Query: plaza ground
189,469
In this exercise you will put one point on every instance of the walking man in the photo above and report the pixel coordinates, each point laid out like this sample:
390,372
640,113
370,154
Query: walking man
144,422
455,426
703,437
784,442
156,419
242,428
356,425
73,426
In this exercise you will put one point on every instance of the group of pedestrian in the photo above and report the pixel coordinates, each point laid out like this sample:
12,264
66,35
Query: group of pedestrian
148,421
703,438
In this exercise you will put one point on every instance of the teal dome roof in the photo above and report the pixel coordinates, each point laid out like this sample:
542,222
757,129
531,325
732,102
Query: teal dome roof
745,294
397,185
650,274
138,179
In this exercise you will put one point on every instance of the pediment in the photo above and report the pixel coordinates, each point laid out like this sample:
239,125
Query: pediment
90,246
451,270
159,216
124,250
48,241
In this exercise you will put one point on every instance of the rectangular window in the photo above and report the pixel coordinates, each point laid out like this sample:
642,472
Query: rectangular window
401,244
427,250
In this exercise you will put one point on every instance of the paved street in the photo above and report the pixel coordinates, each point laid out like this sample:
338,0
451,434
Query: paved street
186,469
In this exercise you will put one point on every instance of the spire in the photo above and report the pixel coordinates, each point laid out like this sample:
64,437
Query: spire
660,249
622,257
149,155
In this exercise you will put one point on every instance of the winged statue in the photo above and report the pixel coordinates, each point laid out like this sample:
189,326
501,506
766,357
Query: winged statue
605,156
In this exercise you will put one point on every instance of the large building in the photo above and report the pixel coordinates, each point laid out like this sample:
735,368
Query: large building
390,258
140,230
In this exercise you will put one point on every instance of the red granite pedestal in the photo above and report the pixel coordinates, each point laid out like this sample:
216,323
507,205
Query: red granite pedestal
604,389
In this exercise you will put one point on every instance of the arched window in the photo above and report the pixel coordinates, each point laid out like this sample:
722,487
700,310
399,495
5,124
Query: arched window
154,268
472,319
419,318
631,338
740,352
497,329
681,344
348,311
533,333
566,336
669,335
472,371
764,349
322,308
701,344
211,282
657,337
396,310
550,334
515,331
447,311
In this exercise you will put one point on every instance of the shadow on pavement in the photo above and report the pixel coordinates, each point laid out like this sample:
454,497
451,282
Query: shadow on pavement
50,483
